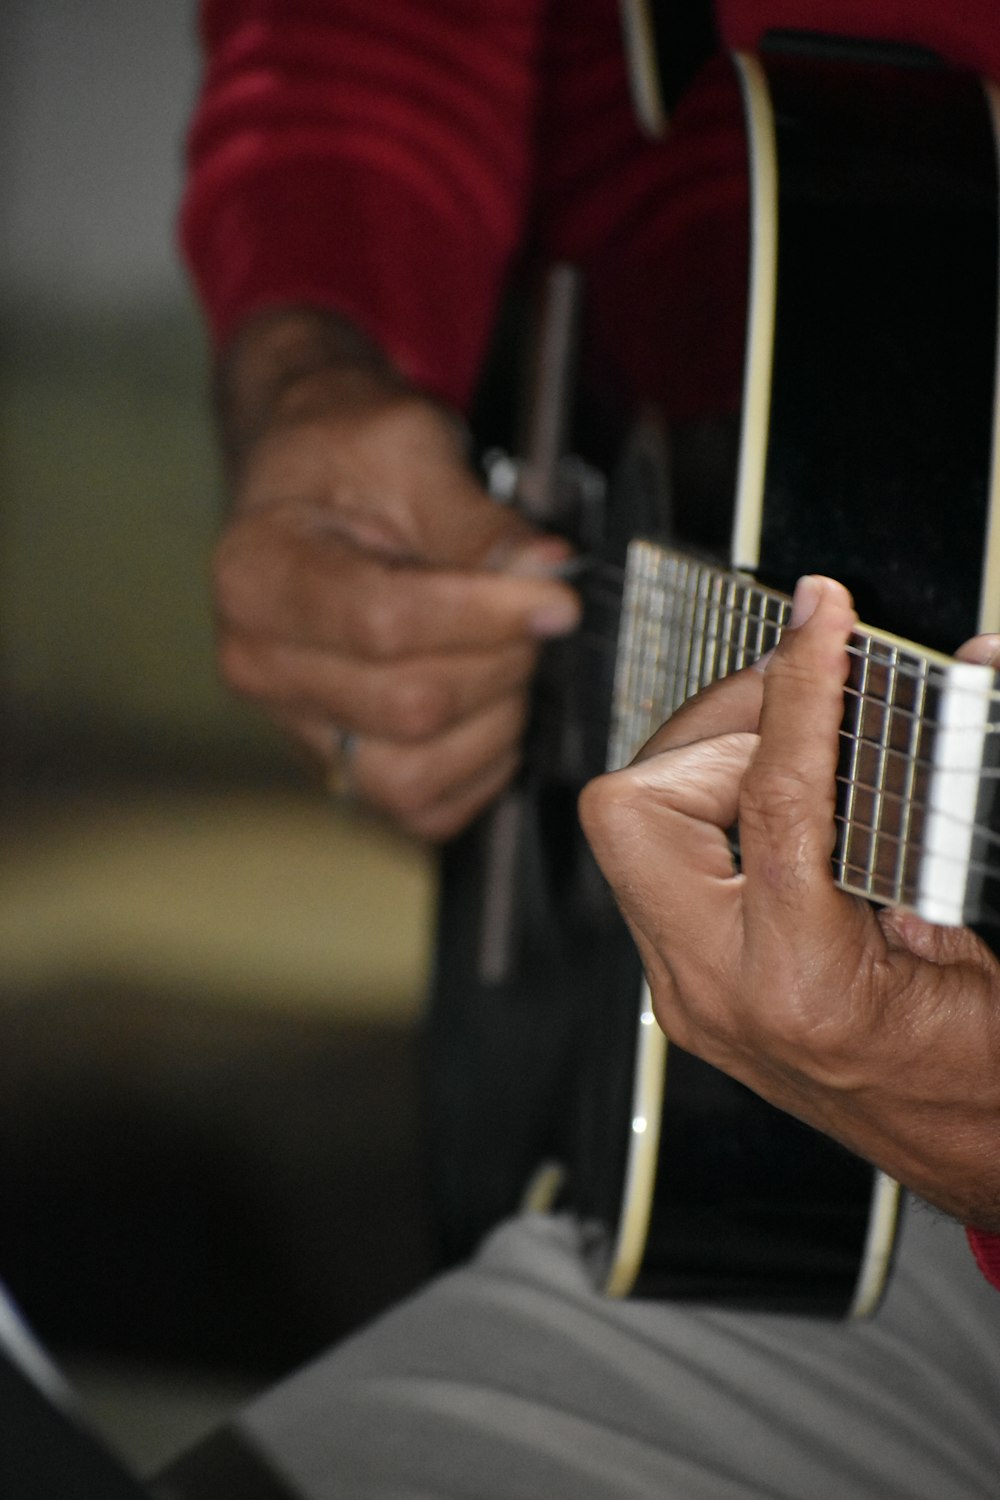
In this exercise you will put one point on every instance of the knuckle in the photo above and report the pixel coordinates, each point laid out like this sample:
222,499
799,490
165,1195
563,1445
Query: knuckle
603,803
381,627
412,417
776,806
419,706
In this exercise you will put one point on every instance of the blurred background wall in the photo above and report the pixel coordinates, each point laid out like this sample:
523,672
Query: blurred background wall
110,494
210,977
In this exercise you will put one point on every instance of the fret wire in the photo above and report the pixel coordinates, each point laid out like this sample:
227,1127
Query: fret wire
938,684
981,773
690,674
669,632
853,880
760,627
885,712
850,780
637,655
653,647
709,671
646,658
730,610
741,622
760,622
673,621
975,866
910,769
756,615
860,644
782,614
980,830
707,629
728,616
690,605
707,585
691,611
675,578
750,617
696,648
625,670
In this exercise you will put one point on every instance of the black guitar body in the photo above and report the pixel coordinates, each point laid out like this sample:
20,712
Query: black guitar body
505,1049
875,453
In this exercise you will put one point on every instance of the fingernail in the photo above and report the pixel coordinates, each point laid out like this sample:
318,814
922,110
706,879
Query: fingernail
540,559
760,665
807,595
559,618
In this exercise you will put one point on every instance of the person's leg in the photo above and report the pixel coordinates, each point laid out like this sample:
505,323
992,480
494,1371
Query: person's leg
510,1378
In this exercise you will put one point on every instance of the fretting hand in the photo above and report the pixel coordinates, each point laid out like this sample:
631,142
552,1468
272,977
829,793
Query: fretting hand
874,1026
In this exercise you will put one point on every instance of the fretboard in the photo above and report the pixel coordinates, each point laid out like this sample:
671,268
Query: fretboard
915,818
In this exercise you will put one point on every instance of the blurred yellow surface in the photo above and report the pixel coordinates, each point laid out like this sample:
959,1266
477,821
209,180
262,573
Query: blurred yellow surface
262,898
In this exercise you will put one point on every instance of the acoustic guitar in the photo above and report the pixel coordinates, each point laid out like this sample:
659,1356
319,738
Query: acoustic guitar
864,446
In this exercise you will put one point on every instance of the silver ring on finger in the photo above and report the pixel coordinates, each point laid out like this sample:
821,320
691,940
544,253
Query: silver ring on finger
340,782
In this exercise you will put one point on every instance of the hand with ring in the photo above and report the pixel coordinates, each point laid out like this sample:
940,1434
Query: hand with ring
366,579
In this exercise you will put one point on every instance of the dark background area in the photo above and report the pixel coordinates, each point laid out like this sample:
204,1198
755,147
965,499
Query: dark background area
210,977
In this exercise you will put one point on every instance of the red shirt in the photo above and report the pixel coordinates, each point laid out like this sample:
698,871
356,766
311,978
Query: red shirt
388,159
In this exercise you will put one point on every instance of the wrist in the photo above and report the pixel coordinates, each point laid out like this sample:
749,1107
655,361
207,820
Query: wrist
291,362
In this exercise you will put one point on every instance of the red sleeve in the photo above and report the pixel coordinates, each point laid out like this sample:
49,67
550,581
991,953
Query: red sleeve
366,156
660,228
986,1249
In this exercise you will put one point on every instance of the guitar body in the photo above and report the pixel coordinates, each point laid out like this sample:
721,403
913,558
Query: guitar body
864,446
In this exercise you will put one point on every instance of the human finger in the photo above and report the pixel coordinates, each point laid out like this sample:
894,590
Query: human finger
658,830
446,817
663,820
387,778
984,649
408,700
729,706
787,802
407,781
295,579
391,471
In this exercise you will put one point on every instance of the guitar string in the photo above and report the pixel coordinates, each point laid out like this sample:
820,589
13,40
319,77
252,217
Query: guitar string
985,911
879,653
899,715
874,656
858,881
914,806
980,831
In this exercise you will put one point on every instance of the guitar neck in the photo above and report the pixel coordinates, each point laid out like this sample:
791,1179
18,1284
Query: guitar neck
919,737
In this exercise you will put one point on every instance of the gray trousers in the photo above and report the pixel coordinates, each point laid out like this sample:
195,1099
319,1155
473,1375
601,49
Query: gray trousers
511,1378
